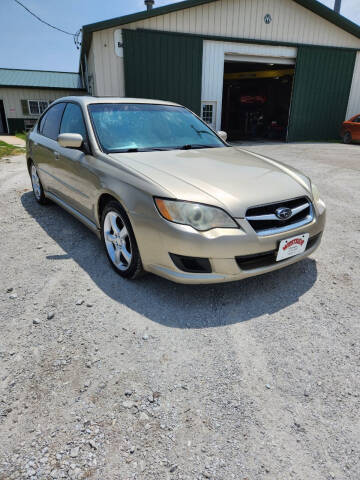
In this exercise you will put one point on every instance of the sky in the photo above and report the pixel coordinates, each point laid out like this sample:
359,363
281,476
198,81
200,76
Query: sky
27,43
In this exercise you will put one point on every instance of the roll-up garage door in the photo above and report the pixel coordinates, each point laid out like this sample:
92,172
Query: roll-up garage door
321,91
163,66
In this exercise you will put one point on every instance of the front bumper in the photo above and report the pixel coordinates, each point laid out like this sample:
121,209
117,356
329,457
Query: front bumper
157,238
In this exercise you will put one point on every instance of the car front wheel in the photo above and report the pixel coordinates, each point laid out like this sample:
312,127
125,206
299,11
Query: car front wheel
119,241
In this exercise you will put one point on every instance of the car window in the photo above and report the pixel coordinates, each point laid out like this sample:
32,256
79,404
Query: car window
50,124
357,119
42,123
123,127
73,121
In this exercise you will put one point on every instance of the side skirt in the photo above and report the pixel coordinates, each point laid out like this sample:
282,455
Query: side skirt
88,223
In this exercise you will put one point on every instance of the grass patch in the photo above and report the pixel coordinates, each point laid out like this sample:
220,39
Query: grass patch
7,150
22,135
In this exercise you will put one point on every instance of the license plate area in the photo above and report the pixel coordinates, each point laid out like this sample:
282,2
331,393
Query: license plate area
289,247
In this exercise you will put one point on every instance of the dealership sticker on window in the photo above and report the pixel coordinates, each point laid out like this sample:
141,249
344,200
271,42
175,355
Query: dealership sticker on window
292,246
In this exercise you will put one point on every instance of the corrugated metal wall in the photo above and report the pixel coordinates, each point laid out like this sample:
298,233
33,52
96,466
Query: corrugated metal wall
321,90
164,67
245,19
354,98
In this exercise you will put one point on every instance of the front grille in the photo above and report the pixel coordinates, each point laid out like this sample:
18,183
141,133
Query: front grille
264,220
266,259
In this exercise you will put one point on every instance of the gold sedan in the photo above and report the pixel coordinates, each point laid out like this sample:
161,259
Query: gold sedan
166,194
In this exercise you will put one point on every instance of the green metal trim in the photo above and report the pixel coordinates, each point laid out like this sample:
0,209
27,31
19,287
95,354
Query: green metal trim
34,70
43,88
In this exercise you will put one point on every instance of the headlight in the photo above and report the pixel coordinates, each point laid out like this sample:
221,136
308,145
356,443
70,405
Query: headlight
201,217
315,193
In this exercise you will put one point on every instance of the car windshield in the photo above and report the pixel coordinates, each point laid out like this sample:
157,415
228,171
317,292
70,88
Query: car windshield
123,127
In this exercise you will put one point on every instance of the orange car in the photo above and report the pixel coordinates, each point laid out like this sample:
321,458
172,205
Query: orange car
350,130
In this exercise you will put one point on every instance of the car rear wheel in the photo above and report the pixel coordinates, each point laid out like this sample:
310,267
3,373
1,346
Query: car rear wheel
36,185
347,138
119,241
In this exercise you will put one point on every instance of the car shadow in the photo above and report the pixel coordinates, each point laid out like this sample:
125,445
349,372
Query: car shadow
170,304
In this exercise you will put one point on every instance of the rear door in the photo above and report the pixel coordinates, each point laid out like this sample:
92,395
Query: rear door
77,182
44,146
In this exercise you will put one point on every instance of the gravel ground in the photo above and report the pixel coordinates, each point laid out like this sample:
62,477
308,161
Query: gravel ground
101,378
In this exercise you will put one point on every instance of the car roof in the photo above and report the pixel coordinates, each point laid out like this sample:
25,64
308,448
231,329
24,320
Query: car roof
87,99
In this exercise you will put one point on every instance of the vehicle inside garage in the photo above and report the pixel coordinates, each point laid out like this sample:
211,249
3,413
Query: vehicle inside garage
256,100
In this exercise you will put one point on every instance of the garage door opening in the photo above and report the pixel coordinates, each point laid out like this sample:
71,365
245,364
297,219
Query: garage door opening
256,100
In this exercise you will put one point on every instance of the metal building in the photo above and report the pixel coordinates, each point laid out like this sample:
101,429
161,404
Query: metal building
24,95
278,68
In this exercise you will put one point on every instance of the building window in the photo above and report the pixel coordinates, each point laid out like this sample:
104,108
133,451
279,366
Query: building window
208,113
37,107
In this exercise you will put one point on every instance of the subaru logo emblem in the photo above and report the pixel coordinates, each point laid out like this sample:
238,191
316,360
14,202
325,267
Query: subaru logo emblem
283,213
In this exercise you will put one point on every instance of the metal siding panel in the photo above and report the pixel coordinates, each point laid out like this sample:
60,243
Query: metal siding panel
164,67
291,22
320,94
354,98
37,78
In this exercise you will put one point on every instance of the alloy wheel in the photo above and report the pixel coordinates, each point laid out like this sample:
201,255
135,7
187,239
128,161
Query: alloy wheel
117,241
35,182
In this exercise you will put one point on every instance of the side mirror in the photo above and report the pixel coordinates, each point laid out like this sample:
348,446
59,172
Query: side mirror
70,140
222,135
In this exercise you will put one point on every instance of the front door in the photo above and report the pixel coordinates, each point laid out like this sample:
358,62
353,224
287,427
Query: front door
3,127
74,167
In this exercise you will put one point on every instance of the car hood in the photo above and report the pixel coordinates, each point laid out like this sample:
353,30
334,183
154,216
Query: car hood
231,178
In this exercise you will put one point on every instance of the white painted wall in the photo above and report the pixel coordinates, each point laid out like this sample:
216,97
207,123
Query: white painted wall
213,66
107,67
354,98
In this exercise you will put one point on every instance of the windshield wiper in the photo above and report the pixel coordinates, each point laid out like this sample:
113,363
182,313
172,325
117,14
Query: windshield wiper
135,149
195,146
199,132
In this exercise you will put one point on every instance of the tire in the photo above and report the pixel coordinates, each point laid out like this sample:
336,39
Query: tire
119,241
37,187
347,138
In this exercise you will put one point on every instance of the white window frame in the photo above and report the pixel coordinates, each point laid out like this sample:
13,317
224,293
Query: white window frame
213,104
40,111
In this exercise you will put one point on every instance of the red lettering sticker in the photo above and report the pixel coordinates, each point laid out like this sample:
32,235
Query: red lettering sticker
295,241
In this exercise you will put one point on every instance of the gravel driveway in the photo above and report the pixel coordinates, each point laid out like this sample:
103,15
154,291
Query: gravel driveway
101,378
